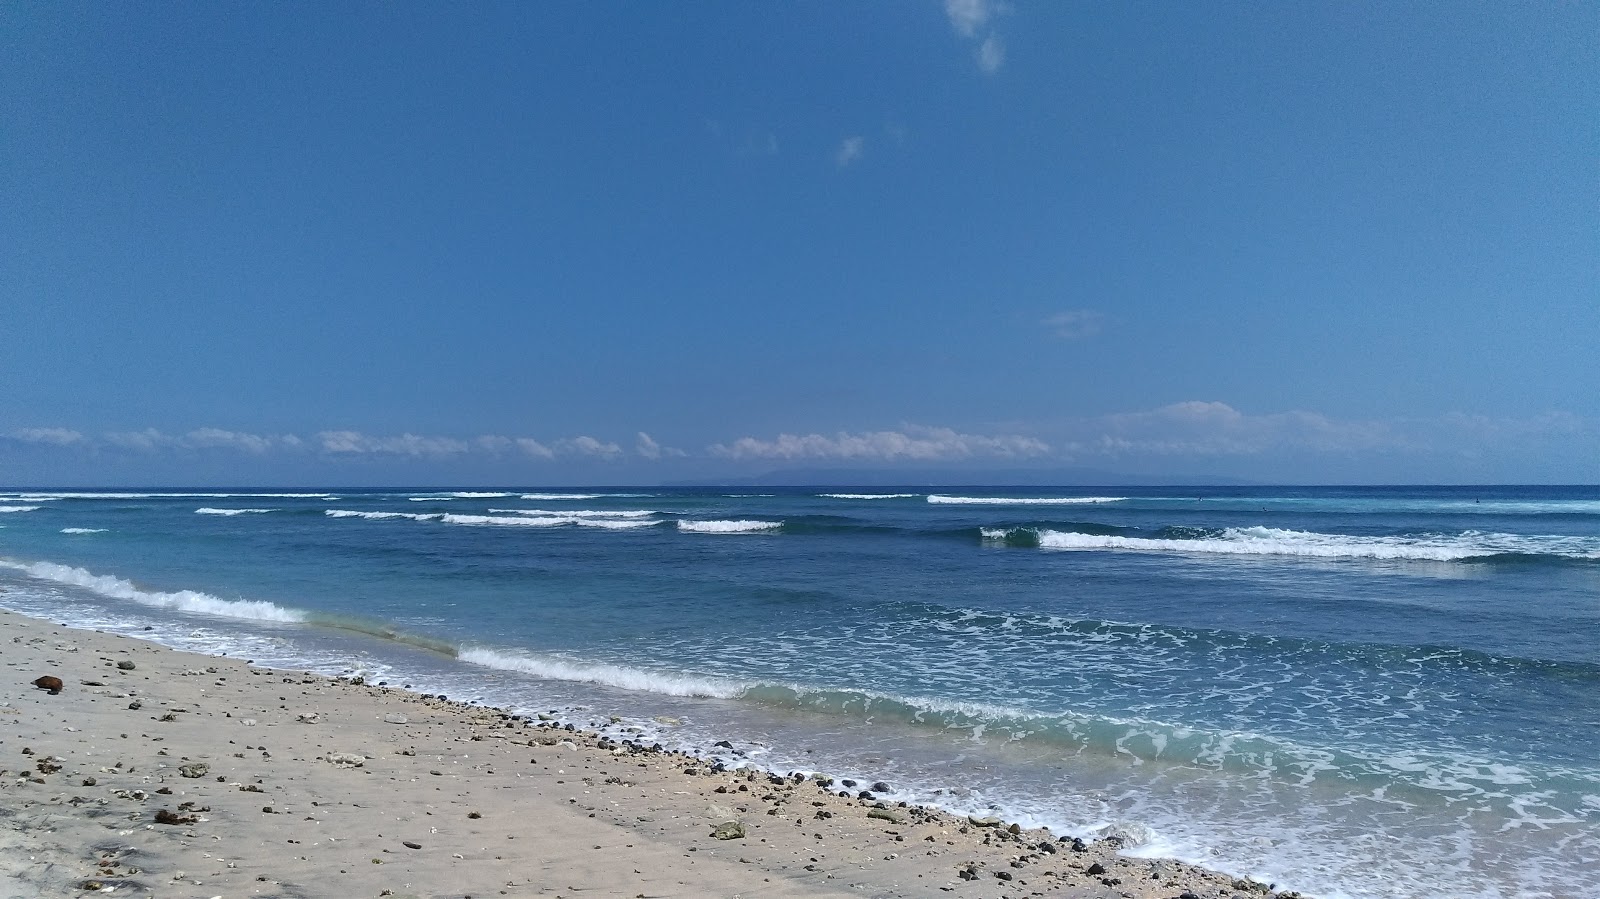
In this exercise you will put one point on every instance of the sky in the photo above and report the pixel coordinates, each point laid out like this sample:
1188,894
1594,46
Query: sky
348,244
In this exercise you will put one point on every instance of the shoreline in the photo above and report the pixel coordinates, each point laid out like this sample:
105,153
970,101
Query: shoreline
288,783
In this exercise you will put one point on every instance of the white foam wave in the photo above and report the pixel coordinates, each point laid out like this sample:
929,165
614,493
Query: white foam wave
380,516
598,673
562,495
207,510
83,530
549,521
1280,542
577,513
867,495
728,527
19,508
182,600
1023,501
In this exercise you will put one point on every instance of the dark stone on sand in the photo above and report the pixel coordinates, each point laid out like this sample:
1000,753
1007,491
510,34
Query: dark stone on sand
968,873
410,845
880,787
89,781
125,665
166,816
1078,845
1047,847
49,682
1097,869
728,830
848,782
1002,875
864,794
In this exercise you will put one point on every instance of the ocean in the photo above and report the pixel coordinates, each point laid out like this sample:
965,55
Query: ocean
1352,692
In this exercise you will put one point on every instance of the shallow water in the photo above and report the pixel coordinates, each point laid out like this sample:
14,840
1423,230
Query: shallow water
1351,692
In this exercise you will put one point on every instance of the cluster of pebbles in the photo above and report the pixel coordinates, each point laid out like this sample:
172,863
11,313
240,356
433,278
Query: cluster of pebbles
141,771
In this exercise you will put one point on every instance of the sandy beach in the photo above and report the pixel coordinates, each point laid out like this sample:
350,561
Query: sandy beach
155,772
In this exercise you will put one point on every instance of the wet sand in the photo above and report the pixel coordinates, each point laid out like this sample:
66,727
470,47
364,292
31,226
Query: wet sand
162,773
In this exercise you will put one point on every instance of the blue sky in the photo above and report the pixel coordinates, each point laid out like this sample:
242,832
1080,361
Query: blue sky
601,242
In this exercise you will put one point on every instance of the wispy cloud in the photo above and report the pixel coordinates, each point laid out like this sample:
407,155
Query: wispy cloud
1201,428
1075,323
970,19
991,54
51,436
850,150
968,16
534,448
588,446
911,443
357,443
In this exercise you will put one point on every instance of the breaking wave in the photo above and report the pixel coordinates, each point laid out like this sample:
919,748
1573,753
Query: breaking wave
83,530
728,527
210,511
867,495
546,521
182,600
1265,541
19,508
1022,501
381,516
600,673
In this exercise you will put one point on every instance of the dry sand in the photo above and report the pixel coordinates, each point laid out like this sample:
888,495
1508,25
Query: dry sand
285,783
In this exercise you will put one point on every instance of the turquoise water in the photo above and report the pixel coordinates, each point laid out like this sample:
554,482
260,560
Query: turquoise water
1376,692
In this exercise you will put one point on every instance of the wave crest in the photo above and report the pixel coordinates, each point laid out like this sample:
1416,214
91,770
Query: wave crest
182,600
600,673
728,526
1022,501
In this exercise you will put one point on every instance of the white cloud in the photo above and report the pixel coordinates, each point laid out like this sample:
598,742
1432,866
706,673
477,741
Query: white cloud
991,54
1075,323
967,16
493,444
534,448
850,150
52,436
647,447
969,19
588,446
357,443
146,440
216,437
1201,428
915,443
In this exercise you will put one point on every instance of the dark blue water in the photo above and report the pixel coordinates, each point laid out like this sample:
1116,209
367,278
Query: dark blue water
1353,692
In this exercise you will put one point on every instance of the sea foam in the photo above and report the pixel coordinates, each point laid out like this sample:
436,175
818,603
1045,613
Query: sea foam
596,673
182,600
1281,542
728,527
1022,501
207,510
